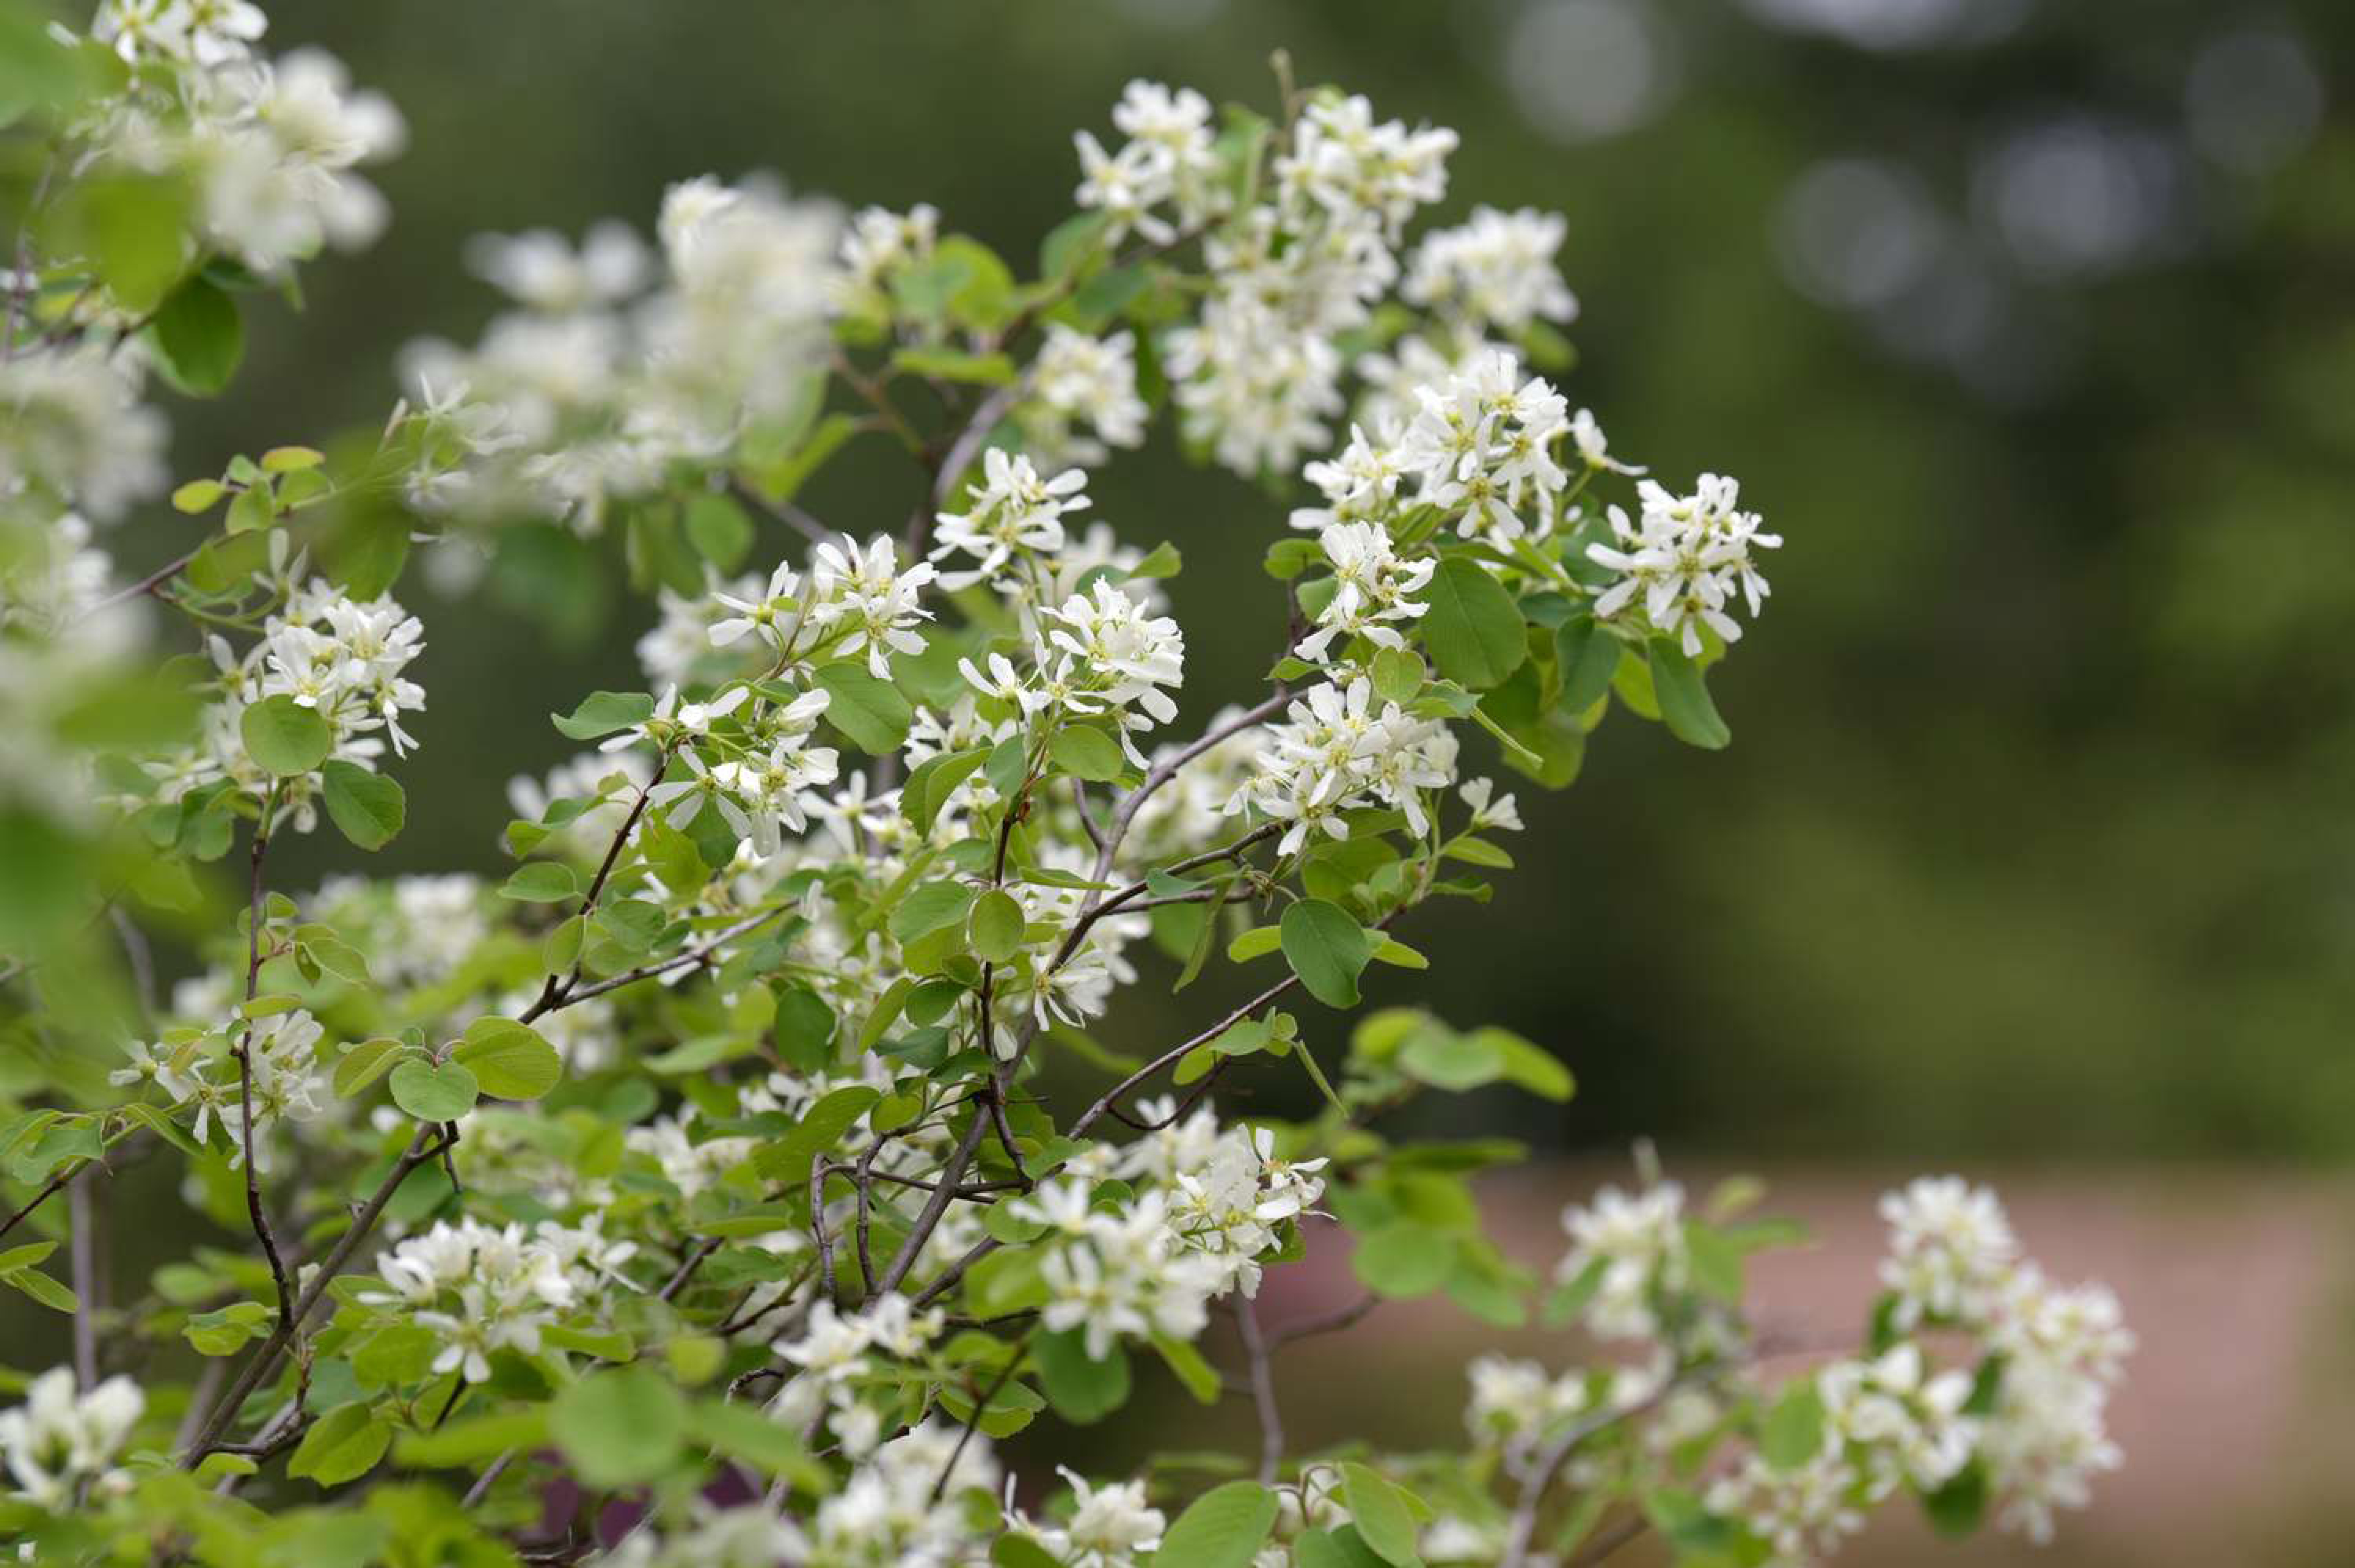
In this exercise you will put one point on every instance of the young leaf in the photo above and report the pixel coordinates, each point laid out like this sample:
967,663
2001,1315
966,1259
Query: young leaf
285,737
1793,1432
871,712
619,1428
198,338
363,1064
509,1060
1683,696
1326,949
995,926
1223,1528
1085,752
1473,629
368,807
602,712
1082,1389
541,882
344,1445
1381,1512
433,1094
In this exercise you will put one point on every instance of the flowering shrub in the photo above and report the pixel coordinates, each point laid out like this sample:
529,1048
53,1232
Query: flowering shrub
694,1194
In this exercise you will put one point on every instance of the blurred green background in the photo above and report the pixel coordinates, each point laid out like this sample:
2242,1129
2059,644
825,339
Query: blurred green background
2028,323
2031,323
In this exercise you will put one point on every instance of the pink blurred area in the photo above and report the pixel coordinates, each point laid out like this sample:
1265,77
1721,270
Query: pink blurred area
2233,1418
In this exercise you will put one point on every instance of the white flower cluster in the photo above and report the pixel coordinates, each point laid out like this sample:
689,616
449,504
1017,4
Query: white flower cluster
833,1351
1686,560
879,243
270,145
1105,1527
59,1442
1335,750
415,931
1096,655
1885,1424
1374,589
1258,376
1076,379
1495,270
1152,1264
1631,1247
481,1288
198,1067
341,658
1014,526
588,392
905,1505
1955,1263
1167,170
74,434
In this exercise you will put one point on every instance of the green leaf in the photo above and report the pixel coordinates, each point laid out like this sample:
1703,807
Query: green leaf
602,712
1446,1060
743,1433
285,737
1341,1548
1529,1065
433,1094
1683,696
42,1288
871,712
474,1439
1082,1389
949,364
510,1061
1473,629
1198,1376
789,1159
343,1445
1326,949
363,1064
1403,1259
198,495
1793,1432
933,781
1587,656
719,530
1955,1508
995,926
1381,1512
1070,242
1256,943
1398,674
619,1428
933,907
1085,752
292,460
541,882
1223,1528
198,338
366,806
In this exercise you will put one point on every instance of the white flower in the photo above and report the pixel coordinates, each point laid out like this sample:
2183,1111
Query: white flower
1686,561
1016,517
1490,810
57,1439
1495,270
869,600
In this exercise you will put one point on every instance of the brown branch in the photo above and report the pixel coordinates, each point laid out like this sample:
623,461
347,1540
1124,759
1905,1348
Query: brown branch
422,1150
243,1052
1263,1387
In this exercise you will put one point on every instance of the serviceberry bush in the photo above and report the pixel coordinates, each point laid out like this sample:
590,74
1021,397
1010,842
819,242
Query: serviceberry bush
696,1194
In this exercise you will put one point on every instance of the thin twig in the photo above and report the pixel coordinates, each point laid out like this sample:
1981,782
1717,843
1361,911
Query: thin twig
1263,1386
243,1052
82,1206
422,1150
